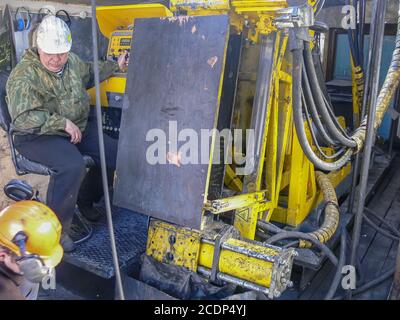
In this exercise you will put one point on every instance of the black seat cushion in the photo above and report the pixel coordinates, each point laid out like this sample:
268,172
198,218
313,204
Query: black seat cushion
25,166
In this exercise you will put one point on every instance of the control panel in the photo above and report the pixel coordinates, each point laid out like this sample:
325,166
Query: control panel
119,42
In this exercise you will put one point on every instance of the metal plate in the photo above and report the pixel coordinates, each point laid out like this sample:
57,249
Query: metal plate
95,255
175,76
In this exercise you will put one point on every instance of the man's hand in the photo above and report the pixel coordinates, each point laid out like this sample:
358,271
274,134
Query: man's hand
73,131
123,61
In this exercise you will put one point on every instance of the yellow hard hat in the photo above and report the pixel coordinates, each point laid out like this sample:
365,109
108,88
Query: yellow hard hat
40,226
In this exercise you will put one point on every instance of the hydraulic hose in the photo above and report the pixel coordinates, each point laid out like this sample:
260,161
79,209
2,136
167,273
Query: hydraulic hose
331,220
313,110
330,122
334,132
314,136
380,230
299,123
387,224
386,94
371,284
304,236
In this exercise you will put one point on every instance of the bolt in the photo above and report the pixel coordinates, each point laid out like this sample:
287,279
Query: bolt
83,14
172,239
277,294
169,257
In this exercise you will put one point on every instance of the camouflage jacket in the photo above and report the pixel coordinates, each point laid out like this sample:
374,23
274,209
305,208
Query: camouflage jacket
40,101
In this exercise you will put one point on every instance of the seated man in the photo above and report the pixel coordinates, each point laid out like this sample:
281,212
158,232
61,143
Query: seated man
49,107
29,247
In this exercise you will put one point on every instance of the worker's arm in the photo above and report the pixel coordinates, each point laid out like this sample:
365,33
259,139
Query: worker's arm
27,111
106,69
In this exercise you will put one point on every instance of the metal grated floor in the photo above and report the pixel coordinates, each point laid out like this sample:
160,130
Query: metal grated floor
94,255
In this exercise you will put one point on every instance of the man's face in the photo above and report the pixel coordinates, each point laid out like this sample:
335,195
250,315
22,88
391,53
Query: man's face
53,62
9,260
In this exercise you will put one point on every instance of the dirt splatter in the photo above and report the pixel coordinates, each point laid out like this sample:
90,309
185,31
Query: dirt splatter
212,61
174,158
182,20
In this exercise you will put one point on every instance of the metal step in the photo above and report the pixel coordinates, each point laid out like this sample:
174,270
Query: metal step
94,255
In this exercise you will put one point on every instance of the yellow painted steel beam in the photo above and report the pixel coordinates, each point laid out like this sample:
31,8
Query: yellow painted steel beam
236,202
231,180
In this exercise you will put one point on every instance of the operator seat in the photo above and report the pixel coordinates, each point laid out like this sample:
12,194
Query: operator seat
25,166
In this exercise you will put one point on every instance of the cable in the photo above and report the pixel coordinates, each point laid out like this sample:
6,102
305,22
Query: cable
370,284
102,155
380,230
303,236
393,229
313,110
330,122
314,138
298,120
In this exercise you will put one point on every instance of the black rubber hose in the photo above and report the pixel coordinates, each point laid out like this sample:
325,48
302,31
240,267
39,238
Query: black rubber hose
330,123
300,235
328,108
314,136
379,229
268,226
342,261
387,224
370,284
313,110
320,74
299,124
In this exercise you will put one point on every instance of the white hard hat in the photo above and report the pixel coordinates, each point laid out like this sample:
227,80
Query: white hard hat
53,36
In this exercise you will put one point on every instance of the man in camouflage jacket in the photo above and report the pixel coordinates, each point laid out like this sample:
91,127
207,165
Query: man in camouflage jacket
49,107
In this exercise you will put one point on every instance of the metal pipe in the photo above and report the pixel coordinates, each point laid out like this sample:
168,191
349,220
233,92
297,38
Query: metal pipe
262,94
376,42
394,125
361,32
248,252
102,154
342,261
357,161
242,283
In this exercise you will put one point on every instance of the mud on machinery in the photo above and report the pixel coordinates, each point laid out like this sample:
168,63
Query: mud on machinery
249,65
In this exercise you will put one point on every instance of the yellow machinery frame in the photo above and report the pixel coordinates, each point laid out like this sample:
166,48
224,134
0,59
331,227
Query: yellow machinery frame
285,186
